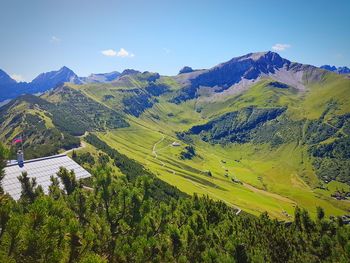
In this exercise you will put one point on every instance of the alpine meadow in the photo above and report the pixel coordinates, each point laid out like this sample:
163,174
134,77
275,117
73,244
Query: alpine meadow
245,160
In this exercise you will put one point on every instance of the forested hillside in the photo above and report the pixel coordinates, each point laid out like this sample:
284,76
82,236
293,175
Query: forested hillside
327,140
122,219
48,126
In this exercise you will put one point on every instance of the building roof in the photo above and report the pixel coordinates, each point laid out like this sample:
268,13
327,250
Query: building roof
41,169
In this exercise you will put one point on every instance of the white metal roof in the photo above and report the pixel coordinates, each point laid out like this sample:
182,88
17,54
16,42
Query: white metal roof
41,169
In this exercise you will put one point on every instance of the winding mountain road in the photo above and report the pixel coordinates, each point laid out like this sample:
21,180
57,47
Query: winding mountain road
82,145
154,152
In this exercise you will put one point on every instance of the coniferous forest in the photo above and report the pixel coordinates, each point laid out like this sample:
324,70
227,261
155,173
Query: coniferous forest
175,131
137,219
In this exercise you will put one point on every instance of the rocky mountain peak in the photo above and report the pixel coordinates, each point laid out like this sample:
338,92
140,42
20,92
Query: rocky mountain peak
5,79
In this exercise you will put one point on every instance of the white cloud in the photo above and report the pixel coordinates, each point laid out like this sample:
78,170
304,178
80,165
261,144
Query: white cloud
109,52
123,53
280,47
17,77
55,39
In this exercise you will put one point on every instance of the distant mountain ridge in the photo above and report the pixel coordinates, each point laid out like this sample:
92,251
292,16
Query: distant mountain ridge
49,79
10,89
240,73
236,74
43,82
261,120
339,70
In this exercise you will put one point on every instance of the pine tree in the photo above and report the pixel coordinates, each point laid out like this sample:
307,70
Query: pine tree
30,191
68,180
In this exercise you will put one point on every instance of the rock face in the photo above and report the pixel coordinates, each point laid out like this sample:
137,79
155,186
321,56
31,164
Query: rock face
5,79
45,81
339,70
242,71
250,66
51,79
233,76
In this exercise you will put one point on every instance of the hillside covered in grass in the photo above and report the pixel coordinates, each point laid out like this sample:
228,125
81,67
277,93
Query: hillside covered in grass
257,127
128,219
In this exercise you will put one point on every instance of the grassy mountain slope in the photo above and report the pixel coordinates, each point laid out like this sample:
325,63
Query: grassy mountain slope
52,122
268,145
28,116
278,175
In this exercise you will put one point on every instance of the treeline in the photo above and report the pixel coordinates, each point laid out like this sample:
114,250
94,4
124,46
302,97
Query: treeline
239,126
75,113
118,220
148,86
52,126
331,160
327,140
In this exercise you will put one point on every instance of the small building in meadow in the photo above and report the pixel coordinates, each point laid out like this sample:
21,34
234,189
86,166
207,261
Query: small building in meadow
176,144
41,169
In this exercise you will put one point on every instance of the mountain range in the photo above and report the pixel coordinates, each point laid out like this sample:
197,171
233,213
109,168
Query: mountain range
339,70
9,88
256,127
240,71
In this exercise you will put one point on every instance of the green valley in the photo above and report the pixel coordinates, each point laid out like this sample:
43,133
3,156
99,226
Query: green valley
267,143
175,131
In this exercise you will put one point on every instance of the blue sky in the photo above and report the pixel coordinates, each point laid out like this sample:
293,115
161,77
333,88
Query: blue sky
163,36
